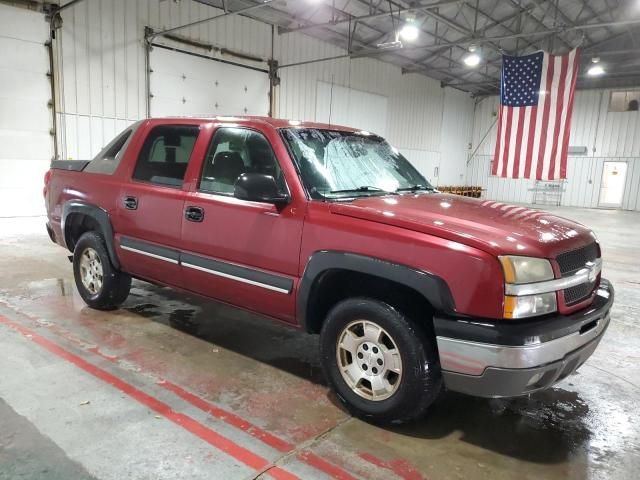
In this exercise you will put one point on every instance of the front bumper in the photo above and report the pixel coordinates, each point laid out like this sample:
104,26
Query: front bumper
507,359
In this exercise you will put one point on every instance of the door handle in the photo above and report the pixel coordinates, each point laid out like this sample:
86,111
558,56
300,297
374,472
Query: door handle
130,203
194,214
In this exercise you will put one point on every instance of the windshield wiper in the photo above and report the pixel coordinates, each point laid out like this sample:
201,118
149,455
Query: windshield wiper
363,188
415,188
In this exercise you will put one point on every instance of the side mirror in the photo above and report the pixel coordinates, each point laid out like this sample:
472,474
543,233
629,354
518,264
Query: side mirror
258,187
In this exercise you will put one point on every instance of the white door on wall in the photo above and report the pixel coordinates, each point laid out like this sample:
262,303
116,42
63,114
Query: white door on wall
25,118
351,108
188,85
614,176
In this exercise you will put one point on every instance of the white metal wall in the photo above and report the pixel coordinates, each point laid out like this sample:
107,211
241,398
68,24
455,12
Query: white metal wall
347,106
100,57
608,136
102,84
415,102
25,119
581,189
455,137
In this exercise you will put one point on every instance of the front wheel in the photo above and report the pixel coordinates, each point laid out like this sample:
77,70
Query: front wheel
383,366
100,285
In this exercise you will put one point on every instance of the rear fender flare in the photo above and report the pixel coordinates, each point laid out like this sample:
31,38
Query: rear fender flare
101,217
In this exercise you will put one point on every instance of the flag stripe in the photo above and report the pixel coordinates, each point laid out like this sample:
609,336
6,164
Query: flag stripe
567,127
545,117
566,92
559,97
515,171
532,138
496,156
507,139
537,133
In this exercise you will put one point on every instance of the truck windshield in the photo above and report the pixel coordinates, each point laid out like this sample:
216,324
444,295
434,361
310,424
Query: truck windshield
335,164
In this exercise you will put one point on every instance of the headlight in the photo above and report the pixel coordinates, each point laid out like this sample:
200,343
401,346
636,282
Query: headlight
529,305
521,270
526,269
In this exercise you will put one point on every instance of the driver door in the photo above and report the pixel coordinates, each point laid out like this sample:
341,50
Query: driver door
241,252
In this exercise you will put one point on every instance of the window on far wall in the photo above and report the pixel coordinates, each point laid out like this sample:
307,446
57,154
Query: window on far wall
624,101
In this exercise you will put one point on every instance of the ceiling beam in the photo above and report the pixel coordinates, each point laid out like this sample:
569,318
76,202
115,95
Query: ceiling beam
364,18
227,13
469,38
481,40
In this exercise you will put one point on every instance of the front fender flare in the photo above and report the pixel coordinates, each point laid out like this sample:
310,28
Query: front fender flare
430,286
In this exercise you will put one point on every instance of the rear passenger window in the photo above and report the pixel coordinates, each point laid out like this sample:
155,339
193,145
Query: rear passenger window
165,155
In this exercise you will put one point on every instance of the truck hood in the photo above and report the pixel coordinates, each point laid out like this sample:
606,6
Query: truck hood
494,227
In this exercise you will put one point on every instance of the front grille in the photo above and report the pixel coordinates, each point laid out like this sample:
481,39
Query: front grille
578,293
571,262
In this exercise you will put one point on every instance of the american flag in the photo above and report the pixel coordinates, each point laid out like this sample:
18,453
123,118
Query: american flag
536,101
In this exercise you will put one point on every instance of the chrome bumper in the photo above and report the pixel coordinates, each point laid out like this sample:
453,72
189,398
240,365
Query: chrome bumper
505,370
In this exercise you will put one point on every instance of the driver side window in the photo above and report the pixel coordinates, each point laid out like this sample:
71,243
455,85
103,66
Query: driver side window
234,151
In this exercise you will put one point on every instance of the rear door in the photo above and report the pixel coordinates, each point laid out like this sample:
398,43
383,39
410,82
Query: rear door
151,203
241,252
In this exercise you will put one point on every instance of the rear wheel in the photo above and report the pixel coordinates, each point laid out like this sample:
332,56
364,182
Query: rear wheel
383,366
100,285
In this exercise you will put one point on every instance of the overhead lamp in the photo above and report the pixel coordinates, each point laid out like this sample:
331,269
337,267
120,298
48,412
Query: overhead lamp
596,69
473,59
409,31
388,45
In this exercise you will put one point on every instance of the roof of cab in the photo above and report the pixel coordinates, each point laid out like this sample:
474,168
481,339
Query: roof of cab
253,120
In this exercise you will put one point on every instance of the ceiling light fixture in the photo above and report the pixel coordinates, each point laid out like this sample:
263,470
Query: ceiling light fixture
596,69
473,59
409,31
387,45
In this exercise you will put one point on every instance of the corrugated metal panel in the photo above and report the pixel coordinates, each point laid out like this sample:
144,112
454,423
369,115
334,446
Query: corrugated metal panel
100,52
581,189
457,126
608,136
101,56
611,134
415,102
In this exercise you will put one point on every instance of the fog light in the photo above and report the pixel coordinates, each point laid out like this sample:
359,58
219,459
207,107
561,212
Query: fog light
529,305
535,379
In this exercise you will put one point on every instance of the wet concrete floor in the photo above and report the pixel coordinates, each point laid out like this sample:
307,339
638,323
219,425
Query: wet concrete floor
172,386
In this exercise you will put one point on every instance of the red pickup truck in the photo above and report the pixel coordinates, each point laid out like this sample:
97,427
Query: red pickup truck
333,231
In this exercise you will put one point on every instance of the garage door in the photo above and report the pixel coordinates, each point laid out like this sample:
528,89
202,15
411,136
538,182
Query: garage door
190,85
25,119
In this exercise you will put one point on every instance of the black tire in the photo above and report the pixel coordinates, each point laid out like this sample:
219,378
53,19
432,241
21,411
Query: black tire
115,284
421,379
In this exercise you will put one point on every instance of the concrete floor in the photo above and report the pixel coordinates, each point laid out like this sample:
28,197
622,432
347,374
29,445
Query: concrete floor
171,386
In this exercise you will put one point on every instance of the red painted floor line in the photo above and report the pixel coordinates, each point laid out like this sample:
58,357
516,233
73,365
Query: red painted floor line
400,467
324,466
211,437
307,457
228,417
